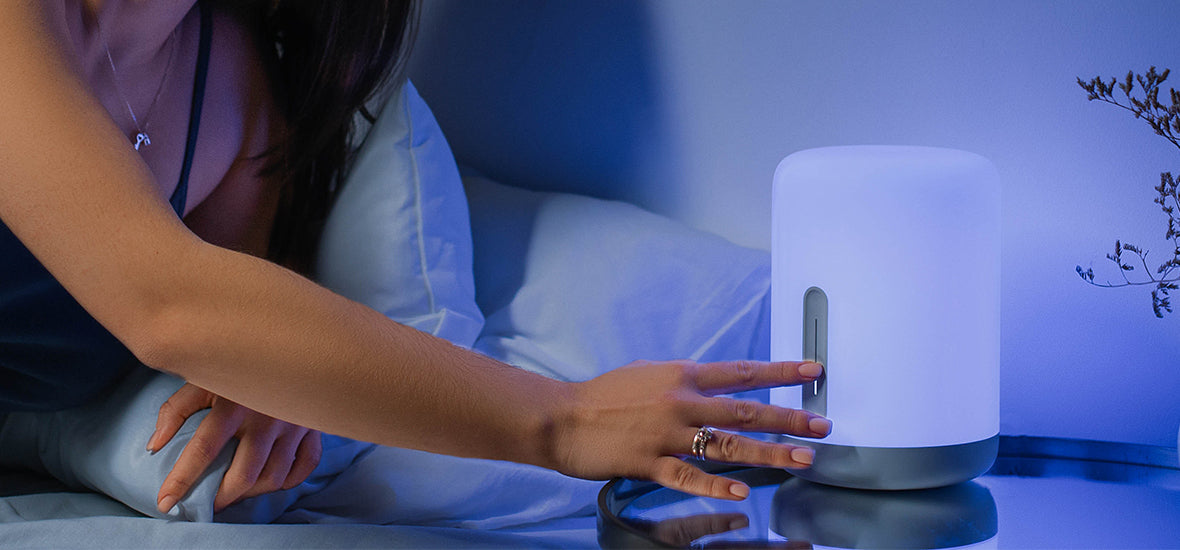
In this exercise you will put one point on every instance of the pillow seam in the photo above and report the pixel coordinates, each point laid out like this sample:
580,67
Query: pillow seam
700,351
418,209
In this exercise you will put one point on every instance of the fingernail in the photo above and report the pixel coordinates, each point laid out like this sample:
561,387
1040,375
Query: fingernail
739,523
739,490
151,440
168,502
821,426
802,455
811,370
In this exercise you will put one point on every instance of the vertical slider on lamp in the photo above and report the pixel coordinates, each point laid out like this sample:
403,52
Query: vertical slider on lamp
815,348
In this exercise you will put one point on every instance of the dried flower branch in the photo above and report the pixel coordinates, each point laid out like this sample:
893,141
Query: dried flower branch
1165,120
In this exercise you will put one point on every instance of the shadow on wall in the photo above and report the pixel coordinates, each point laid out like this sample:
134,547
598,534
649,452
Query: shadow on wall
547,95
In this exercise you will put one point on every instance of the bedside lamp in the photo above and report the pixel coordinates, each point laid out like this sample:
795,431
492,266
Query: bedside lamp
886,269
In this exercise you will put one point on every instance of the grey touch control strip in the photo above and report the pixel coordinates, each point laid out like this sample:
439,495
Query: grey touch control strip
815,348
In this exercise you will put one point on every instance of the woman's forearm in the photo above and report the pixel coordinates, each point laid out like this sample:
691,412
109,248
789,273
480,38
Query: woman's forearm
263,336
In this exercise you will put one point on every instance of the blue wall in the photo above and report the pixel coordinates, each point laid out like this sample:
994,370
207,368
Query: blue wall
686,107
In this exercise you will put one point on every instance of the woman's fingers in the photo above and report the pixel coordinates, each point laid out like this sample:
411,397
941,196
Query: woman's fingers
184,403
734,376
271,454
674,473
279,463
307,457
737,449
245,470
215,431
663,405
285,462
751,416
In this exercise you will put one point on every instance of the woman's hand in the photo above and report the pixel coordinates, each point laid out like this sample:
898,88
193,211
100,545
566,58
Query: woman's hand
271,454
639,420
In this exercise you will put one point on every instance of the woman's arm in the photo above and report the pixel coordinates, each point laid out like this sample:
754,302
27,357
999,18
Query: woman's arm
257,334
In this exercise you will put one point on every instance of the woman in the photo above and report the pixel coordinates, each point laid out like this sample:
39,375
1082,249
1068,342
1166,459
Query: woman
115,127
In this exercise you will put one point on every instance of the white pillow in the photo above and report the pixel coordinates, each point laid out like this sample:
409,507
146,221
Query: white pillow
398,238
573,286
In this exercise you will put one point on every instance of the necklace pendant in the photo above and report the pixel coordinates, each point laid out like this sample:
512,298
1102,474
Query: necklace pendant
142,139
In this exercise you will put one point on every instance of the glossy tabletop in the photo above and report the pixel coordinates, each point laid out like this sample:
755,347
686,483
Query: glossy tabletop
1041,493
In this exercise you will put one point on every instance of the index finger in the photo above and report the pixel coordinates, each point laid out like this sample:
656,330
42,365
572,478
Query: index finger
179,407
734,376
201,451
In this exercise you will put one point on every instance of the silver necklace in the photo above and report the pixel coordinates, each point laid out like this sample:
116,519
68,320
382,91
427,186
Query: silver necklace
141,138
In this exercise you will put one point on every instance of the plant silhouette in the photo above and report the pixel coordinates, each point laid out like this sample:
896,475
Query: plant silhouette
1141,98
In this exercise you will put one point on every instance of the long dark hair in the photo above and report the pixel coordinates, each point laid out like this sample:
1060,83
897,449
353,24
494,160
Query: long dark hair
332,56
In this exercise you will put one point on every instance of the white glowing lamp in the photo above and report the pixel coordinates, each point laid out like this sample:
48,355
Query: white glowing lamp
886,269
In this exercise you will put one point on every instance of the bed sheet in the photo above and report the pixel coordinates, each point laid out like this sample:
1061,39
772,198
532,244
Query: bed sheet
36,513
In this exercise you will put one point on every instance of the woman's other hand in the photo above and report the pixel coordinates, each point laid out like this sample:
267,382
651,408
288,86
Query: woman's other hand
271,454
639,420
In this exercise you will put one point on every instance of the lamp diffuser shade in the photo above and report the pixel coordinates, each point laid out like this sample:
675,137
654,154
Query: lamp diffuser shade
886,269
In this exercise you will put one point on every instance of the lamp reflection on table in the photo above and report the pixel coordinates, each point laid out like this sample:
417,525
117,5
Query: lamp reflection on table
1049,493
958,516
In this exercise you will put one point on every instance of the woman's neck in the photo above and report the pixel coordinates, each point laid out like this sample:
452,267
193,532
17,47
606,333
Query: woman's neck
134,30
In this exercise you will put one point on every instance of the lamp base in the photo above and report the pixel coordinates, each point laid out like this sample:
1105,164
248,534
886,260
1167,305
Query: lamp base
896,469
